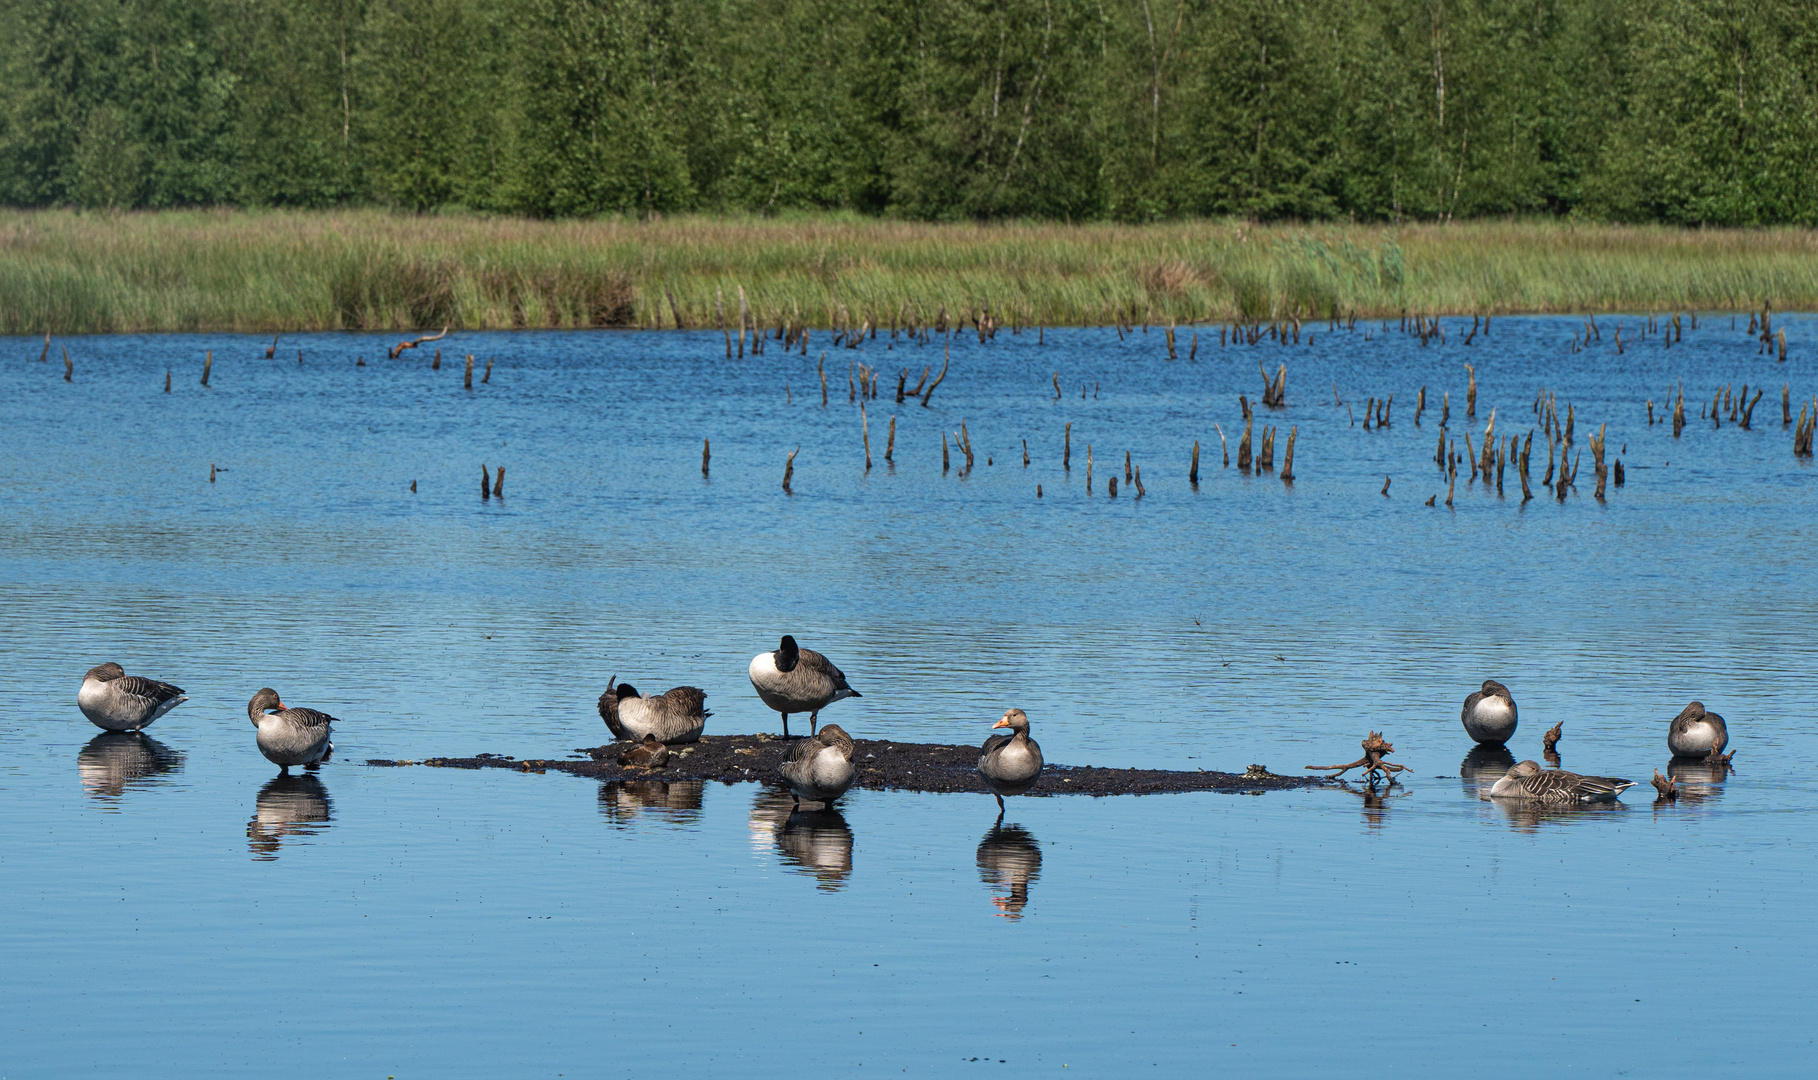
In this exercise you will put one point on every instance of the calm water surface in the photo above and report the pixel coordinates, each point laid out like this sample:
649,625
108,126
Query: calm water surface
171,909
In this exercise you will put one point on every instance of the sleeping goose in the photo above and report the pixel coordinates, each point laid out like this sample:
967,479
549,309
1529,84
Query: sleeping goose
115,701
1556,787
819,767
678,716
794,679
1695,732
649,754
1010,764
1489,714
289,736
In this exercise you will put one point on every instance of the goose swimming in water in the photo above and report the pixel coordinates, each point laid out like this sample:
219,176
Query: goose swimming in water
819,767
1489,714
1556,787
1010,764
678,716
289,736
115,701
1695,732
796,680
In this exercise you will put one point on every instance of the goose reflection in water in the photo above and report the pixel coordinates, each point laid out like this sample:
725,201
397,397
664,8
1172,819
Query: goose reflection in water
1527,815
114,760
1010,859
1698,780
287,806
815,842
1482,767
675,802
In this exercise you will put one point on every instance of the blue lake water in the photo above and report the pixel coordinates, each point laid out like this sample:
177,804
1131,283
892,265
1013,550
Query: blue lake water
170,909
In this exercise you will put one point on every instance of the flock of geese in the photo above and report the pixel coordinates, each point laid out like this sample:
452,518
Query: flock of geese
818,767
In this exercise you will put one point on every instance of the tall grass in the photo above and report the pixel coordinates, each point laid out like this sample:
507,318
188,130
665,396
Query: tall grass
69,272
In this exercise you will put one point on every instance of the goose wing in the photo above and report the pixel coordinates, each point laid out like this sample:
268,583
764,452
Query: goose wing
1470,705
308,718
686,701
815,662
150,691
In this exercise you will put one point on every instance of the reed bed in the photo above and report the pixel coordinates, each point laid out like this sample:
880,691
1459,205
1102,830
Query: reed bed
68,272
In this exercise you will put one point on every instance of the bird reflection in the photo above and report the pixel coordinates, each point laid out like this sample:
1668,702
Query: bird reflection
287,806
817,842
111,761
676,802
1482,767
1009,858
1527,815
1697,779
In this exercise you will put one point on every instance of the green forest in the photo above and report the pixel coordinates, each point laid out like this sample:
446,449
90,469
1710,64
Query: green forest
1683,112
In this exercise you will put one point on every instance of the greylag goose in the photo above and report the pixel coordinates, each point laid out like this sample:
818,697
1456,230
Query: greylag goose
678,716
819,767
649,754
1489,714
794,679
1695,732
1010,764
289,736
1556,787
115,701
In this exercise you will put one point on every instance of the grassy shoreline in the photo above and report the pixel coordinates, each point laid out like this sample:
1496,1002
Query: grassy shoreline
68,273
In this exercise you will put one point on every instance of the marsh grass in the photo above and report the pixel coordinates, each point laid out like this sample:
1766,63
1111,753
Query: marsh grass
70,272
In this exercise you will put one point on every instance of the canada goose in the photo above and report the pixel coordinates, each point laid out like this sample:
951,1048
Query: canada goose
289,736
1557,787
649,754
678,716
1695,732
794,679
1489,714
1010,764
115,701
819,767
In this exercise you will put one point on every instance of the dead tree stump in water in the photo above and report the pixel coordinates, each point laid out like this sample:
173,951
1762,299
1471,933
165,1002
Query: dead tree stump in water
1375,748
1550,740
1666,788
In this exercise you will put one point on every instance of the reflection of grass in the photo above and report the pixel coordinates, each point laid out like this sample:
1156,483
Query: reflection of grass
69,272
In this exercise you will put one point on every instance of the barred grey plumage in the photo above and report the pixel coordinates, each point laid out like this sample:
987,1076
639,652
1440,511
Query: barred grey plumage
676,716
115,701
819,767
1556,787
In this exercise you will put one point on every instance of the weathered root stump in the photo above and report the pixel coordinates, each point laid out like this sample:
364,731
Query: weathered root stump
1549,742
882,765
1375,747
1715,758
1666,787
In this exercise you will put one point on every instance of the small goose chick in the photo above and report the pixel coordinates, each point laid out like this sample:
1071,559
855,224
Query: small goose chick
794,679
678,716
1556,787
1489,714
1010,764
819,767
115,701
1696,733
289,736
649,754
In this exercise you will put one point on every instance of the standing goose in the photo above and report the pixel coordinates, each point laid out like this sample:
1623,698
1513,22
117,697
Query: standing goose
289,736
1695,732
678,716
794,679
819,767
1489,714
1556,787
1010,764
115,701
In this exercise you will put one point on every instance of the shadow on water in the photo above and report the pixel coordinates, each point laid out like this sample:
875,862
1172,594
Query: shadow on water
1009,858
672,802
287,806
816,842
1483,766
114,760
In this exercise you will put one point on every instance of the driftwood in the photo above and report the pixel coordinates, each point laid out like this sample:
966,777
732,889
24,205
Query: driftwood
1549,742
1715,758
402,345
1666,786
1375,748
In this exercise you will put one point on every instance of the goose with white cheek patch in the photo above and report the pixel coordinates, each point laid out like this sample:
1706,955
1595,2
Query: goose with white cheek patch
1489,714
1010,764
678,716
797,680
819,767
1696,732
115,701
290,736
1556,787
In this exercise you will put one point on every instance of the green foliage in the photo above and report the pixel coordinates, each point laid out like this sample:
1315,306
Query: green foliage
1680,111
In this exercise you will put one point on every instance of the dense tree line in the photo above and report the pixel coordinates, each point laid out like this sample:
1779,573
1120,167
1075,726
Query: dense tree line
1686,111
